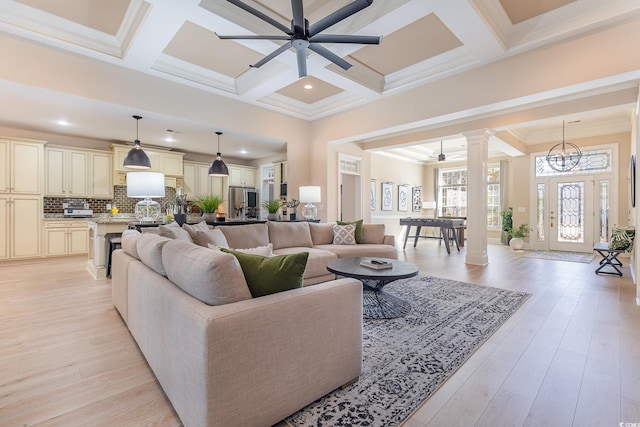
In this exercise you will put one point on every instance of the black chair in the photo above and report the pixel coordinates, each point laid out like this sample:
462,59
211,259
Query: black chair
114,243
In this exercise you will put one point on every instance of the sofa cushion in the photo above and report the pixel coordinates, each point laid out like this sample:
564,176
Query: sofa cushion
210,237
174,231
246,236
364,250
149,248
321,233
316,263
373,233
192,228
260,250
344,234
358,232
289,234
129,242
266,275
212,277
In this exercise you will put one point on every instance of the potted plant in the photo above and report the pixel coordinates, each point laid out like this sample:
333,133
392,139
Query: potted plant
272,207
518,236
507,225
208,204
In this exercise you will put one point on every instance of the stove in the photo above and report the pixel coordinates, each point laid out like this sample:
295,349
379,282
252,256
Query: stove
78,213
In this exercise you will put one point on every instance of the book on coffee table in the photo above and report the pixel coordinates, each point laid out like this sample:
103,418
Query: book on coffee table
376,265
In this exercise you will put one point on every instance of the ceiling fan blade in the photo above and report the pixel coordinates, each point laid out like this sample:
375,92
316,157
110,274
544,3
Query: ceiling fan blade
298,17
338,38
260,15
330,56
272,55
302,62
253,37
338,15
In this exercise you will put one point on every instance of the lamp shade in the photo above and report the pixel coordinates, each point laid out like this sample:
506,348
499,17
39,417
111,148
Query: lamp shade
218,167
136,158
309,194
145,184
429,205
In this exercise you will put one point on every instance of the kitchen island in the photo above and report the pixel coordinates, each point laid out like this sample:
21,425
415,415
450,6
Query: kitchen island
101,229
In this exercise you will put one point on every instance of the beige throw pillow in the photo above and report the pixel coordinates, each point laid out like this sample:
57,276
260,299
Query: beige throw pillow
214,237
344,234
192,228
174,231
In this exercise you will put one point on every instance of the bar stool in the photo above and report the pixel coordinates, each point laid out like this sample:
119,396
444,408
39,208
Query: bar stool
114,243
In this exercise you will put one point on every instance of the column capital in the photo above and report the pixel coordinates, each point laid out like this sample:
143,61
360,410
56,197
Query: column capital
479,134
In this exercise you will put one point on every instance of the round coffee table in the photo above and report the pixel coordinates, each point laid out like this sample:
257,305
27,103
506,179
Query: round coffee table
377,303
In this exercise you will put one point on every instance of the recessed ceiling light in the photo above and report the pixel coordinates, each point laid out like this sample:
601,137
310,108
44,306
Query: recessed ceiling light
169,139
243,151
308,86
62,122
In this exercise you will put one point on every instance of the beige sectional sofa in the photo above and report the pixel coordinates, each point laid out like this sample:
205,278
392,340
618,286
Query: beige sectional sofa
224,358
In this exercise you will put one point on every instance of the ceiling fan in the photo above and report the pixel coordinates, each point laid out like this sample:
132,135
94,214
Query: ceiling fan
441,156
301,35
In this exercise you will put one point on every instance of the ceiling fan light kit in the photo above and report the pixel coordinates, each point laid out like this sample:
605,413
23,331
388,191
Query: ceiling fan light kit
564,156
218,167
302,36
136,158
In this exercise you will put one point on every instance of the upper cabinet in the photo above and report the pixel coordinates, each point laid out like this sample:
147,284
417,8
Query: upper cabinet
78,173
166,162
197,181
21,163
242,176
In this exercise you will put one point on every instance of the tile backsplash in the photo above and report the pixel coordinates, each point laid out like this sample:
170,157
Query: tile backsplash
53,205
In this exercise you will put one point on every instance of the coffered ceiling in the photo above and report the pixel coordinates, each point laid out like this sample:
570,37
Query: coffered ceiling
423,41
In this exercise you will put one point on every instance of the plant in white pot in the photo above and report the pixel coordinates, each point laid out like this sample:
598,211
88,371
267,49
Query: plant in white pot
208,204
272,207
518,235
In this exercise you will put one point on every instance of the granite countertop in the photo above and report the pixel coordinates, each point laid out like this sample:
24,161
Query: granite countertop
104,218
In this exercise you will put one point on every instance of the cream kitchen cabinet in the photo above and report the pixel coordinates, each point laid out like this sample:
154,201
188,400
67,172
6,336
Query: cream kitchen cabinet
21,222
78,173
166,162
242,176
66,238
21,163
197,182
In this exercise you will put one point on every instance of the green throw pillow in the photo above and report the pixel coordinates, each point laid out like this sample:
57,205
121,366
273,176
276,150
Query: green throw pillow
622,238
268,275
359,232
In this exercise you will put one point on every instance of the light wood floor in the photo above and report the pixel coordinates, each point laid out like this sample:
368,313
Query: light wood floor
569,357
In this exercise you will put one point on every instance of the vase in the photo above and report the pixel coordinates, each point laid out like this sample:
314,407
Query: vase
180,218
272,217
209,217
293,216
516,243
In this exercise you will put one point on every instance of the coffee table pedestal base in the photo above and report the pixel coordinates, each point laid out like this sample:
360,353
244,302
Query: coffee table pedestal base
379,304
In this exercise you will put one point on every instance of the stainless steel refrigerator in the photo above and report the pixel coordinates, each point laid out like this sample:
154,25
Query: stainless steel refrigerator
243,203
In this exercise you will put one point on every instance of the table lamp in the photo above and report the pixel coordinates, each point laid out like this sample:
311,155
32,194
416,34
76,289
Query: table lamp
146,185
309,194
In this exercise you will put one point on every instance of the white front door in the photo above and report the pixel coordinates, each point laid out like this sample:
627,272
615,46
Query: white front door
571,213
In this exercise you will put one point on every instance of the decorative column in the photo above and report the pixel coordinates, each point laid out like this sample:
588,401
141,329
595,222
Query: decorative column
477,157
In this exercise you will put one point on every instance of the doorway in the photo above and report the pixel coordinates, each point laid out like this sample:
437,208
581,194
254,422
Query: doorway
571,213
350,188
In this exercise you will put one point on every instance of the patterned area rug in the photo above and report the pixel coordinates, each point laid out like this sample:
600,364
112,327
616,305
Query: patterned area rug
562,256
407,359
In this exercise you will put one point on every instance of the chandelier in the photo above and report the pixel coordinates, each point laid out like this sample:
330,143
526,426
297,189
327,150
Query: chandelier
564,156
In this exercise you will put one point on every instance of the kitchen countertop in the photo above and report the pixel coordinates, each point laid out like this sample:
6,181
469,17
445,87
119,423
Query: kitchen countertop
99,219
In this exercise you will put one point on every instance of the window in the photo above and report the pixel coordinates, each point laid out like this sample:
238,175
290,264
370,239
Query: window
452,193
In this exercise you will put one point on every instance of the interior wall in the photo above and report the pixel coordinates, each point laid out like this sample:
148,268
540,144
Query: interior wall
398,172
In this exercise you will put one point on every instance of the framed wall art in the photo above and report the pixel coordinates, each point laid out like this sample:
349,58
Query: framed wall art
403,198
372,195
387,196
416,197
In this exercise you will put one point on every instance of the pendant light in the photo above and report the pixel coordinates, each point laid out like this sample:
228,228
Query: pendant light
218,168
441,156
136,158
567,158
